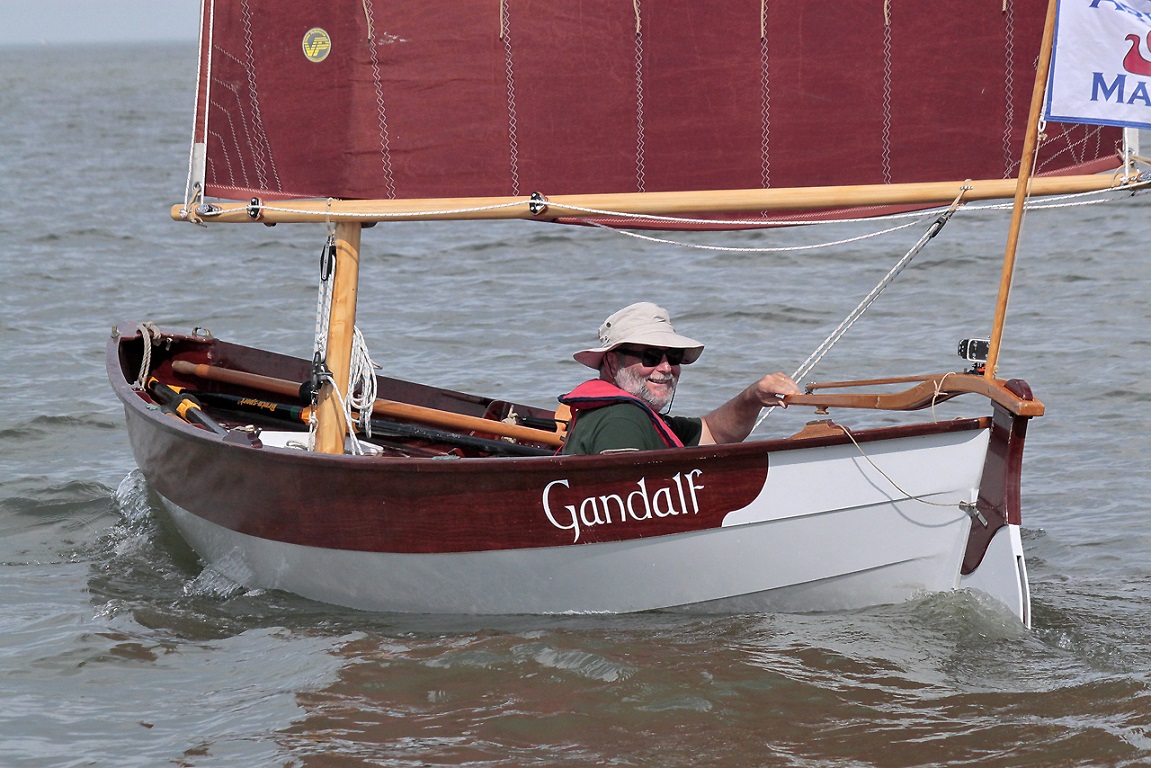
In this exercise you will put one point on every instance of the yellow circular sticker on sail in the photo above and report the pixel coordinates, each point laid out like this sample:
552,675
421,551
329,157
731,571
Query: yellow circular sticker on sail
317,44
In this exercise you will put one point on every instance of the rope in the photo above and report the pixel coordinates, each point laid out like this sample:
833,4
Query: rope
357,448
362,380
323,320
150,334
825,347
361,375
887,477
745,249
324,297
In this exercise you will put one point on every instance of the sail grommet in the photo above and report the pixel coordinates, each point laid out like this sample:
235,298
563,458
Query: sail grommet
255,209
538,204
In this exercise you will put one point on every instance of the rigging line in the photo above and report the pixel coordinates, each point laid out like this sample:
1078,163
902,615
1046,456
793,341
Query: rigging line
852,317
357,448
772,249
756,223
381,215
887,477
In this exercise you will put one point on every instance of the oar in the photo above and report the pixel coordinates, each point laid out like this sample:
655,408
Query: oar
184,406
298,417
390,408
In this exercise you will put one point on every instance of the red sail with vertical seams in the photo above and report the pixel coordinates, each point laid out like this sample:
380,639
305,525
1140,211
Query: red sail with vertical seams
460,99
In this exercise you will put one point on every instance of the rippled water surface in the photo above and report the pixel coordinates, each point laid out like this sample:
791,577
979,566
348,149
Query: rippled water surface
117,648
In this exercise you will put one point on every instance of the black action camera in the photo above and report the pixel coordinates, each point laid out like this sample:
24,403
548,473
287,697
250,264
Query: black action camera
974,350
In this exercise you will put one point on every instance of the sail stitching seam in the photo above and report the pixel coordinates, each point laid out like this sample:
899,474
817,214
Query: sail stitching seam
223,145
640,170
765,102
262,154
885,140
509,70
381,109
1008,87
249,140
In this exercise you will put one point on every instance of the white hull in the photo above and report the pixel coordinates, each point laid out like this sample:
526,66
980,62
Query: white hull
827,532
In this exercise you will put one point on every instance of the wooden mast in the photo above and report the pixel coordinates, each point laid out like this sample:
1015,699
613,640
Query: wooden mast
1026,166
331,428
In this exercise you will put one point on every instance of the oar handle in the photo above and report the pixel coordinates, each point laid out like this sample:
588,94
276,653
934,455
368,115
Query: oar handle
390,408
184,406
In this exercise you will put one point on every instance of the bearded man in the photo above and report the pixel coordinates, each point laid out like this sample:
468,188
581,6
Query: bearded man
639,361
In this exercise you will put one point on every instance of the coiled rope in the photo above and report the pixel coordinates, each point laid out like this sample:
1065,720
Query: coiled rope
150,335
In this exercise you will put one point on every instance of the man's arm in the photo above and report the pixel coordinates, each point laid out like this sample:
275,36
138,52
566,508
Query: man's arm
734,420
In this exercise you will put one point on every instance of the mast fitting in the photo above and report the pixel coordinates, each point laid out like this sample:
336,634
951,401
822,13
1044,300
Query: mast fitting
538,204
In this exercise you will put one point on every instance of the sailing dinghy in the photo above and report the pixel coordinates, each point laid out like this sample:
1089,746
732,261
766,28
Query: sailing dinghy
309,475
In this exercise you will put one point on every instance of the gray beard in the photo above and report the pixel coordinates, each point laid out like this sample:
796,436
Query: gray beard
634,384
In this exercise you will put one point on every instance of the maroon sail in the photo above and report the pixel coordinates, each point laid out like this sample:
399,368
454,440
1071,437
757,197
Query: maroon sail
460,99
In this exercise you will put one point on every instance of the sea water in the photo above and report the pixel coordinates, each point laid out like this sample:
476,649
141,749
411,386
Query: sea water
118,648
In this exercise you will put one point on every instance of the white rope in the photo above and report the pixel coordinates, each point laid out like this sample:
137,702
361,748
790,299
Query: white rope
765,249
150,335
324,302
354,444
361,377
829,342
361,384
887,477
323,320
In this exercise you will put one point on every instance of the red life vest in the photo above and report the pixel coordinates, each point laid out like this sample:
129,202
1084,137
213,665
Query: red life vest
598,393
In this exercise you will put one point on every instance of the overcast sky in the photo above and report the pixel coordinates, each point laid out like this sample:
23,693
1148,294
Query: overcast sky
35,22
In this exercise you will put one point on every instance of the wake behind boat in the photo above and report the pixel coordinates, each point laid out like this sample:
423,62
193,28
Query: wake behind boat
318,476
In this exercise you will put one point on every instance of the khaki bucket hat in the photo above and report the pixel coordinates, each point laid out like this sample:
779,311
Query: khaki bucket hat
645,324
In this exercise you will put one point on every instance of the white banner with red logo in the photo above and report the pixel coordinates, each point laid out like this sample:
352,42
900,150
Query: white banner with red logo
1101,66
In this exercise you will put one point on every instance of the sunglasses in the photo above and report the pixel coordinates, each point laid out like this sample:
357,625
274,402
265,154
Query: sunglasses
653,356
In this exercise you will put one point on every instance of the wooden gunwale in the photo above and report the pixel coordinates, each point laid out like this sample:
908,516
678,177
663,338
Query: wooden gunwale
119,372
